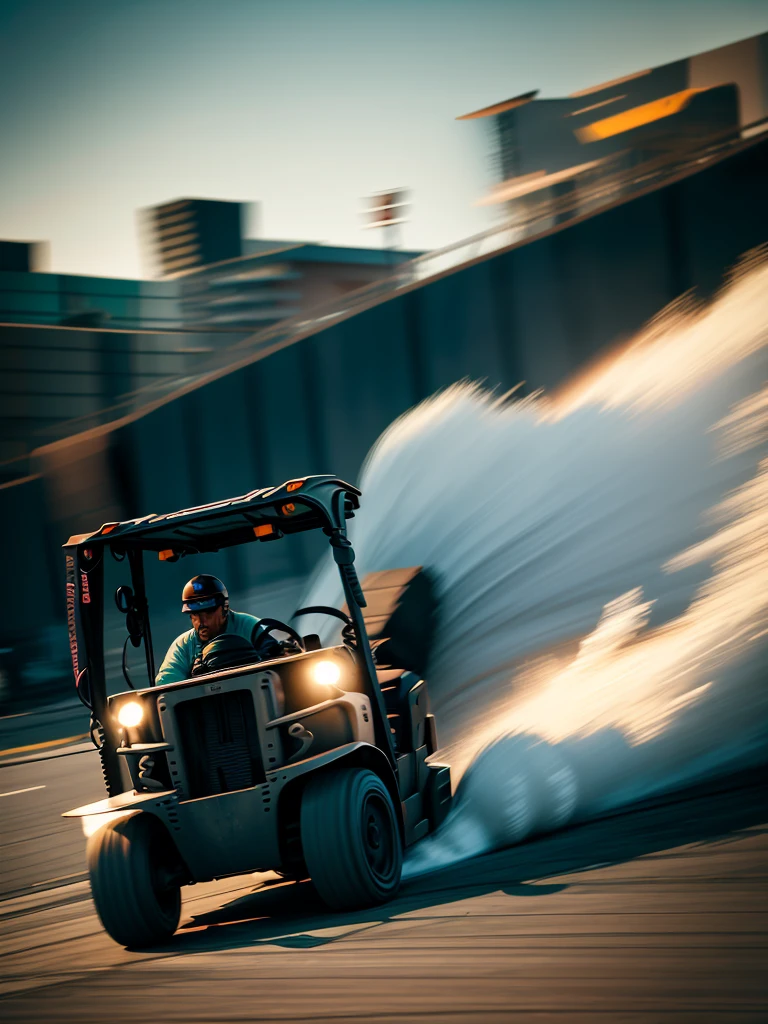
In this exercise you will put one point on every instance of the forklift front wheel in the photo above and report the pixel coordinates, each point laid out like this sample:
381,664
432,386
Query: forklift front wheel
351,838
129,863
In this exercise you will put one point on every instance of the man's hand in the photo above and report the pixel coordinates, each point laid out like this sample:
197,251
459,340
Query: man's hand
267,647
290,646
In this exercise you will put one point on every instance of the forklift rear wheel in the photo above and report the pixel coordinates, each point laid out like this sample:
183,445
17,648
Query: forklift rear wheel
129,862
351,838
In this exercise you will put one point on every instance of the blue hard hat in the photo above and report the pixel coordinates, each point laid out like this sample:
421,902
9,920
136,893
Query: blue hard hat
203,592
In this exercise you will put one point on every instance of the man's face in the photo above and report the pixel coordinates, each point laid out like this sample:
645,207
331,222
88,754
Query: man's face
208,623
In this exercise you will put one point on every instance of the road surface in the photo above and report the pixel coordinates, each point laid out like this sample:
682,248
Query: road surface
655,915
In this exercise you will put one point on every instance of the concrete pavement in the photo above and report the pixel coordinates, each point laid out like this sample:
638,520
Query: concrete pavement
655,915
44,729
38,847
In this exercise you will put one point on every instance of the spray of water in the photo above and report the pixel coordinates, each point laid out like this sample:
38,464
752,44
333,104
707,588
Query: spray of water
602,559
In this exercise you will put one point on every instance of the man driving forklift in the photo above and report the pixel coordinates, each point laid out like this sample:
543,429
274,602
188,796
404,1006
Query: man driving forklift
206,600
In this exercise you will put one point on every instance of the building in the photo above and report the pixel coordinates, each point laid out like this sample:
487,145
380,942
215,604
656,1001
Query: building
276,280
22,256
547,149
72,346
75,350
189,233
29,295
226,280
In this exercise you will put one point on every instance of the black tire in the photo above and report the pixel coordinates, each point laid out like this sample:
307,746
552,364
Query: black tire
291,876
129,863
351,838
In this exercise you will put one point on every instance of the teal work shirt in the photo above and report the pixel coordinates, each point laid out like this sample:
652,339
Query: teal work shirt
178,662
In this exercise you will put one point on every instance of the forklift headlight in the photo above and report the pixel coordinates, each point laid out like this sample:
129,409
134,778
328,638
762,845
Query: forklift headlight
326,672
130,714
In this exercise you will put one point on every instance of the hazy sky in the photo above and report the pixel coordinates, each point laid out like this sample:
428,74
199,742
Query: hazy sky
302,105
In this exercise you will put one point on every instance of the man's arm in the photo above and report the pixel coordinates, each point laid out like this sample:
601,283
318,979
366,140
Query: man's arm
177,663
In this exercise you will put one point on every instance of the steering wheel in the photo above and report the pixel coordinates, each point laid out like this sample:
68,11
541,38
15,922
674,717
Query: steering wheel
348,630
323,609
269,625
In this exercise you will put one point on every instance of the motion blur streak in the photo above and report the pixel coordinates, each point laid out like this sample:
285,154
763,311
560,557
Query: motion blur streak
603,568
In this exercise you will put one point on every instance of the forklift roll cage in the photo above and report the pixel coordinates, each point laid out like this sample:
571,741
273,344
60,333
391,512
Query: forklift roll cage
309,503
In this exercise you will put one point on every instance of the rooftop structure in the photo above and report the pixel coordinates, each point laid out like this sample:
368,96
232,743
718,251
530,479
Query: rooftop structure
547,148
279,280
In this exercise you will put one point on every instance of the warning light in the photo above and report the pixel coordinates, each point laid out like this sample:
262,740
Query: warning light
288,509
169,555
295,485
264,530
108,528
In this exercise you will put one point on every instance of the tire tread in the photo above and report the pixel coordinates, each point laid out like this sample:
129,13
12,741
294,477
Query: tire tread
333,846
118,858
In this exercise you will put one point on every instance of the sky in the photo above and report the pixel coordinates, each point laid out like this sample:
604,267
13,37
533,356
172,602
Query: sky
302,107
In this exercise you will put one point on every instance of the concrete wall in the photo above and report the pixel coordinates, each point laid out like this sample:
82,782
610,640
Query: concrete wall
537,313
49,375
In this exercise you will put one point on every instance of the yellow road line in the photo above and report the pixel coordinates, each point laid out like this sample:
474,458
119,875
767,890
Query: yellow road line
41,746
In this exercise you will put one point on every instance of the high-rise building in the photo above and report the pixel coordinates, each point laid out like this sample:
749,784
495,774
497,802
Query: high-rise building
188,233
